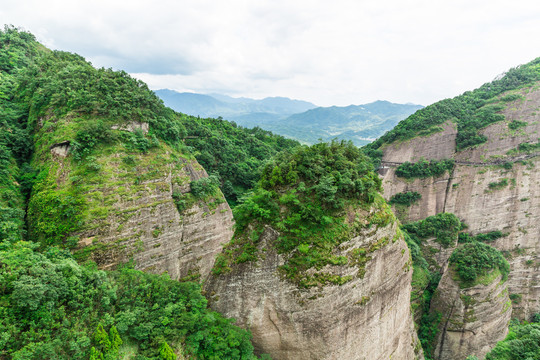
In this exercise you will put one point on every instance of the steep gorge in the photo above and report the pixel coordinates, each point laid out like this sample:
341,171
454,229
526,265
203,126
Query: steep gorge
493,188
108,181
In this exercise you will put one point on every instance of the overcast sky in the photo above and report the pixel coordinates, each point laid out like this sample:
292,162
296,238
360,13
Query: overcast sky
335,52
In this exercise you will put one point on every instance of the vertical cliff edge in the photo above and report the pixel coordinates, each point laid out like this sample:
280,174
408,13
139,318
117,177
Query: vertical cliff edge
318,268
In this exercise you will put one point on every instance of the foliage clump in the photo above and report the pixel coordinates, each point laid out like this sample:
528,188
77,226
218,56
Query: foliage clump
54,308
497,185
516,124
405,198
233,153
476,259
205,187
17,48
529,147
304,194
424,169
444,227
522,342
483,237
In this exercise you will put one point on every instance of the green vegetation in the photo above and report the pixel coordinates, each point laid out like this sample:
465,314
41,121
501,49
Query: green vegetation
424,168
305,194
205,187
522,342
405,198
16,51
472,260
53,308
497,185
424,284
444,227
485,237
516,124
529,147
50,306
471,111
233,153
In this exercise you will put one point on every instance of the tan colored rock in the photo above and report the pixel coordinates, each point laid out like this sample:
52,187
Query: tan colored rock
438,146
514,209
132,126
366,319
141,222
473,319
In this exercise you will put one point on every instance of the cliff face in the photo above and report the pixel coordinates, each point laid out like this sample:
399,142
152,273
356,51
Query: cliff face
483,193
138,206
366,318
473,319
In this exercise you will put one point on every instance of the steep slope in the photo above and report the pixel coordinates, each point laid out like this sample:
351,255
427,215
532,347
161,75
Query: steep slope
472,299
476,156
109,173
108,179
16,51
317,268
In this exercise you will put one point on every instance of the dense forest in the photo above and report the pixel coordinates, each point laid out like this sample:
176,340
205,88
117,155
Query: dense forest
53,307
303,194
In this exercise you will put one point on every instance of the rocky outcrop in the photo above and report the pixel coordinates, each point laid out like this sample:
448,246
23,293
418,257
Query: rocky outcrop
368,317
473,319
470,191
141,209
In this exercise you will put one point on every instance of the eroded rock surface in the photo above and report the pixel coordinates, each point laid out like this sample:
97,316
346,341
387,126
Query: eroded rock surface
513,209
473,319
141,221
366,318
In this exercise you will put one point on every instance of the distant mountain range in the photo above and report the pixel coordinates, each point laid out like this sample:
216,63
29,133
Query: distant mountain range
296,119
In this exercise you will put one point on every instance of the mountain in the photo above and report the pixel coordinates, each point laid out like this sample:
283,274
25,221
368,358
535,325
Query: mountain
228,107
473,159
112,218
97,184
316,254
116,239
359,123
296,119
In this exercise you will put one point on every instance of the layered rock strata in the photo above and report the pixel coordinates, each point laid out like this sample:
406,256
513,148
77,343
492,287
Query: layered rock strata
472,319
368,317
471,192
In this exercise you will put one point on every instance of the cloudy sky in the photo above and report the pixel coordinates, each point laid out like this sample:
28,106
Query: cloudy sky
337,52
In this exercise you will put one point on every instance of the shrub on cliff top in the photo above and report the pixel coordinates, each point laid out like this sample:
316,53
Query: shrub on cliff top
303,194
475,259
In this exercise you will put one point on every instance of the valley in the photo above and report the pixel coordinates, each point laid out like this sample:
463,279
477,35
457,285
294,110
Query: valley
129,230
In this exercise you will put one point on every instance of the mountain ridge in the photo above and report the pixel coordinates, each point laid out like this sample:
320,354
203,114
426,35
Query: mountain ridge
296,119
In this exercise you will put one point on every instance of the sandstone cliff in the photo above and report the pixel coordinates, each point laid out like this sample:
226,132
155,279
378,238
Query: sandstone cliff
137,206
471,191
473,319
368,317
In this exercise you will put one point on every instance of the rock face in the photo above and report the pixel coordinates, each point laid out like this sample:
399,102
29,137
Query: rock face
368,317
469,192
473,319
134,205
143,222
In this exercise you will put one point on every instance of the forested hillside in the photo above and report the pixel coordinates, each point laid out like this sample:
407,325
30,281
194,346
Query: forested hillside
63,125
471,111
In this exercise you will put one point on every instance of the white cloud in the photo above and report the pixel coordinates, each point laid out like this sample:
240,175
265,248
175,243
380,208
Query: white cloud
338,52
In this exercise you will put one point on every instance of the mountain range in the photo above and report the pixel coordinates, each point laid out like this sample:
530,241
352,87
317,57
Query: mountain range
296,119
